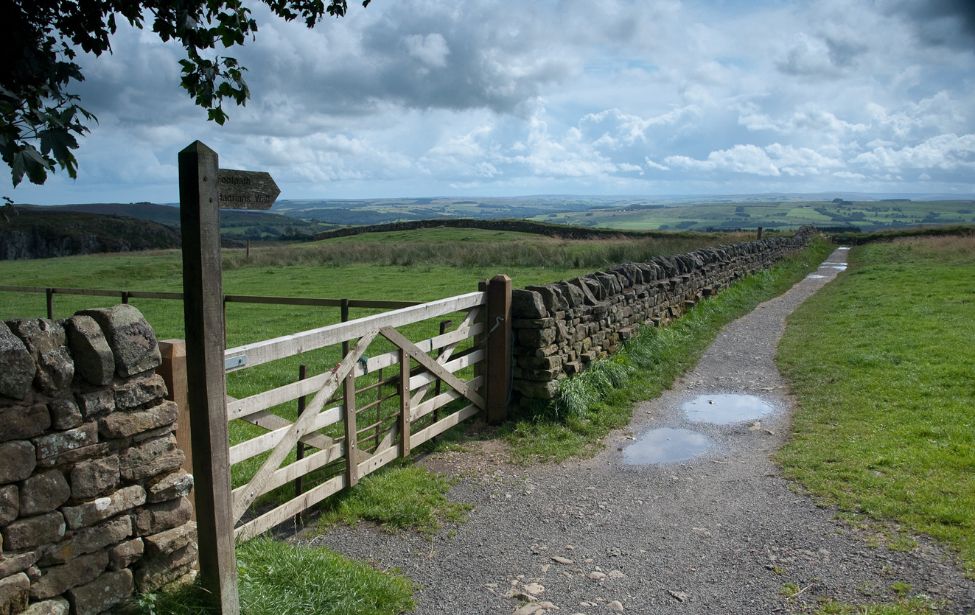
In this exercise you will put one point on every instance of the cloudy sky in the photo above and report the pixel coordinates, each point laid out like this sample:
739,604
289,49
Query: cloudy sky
487,97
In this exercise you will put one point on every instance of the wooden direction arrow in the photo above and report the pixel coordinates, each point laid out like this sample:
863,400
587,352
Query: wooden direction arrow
246,189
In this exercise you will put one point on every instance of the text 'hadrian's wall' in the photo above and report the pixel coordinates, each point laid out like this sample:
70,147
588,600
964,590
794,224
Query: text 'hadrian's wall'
93,502
560,328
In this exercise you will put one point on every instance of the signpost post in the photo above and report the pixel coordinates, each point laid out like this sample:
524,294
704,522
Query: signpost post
203,187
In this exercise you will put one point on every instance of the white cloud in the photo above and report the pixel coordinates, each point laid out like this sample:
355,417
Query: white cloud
946,152
748,159
431,49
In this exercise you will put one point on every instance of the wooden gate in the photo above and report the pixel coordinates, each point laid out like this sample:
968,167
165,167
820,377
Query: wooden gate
360,417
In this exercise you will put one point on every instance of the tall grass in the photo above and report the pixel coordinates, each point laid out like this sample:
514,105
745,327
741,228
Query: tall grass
536,251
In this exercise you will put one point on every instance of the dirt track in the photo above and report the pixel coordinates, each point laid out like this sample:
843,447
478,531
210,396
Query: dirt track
721,533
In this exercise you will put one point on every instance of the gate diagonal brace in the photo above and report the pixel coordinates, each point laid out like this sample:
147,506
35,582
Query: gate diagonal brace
430,364
444,356
298,428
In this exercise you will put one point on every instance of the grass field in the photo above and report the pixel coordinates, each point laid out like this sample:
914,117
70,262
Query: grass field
881,361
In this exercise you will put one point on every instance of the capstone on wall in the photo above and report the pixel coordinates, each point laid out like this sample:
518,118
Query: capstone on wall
93,504
561,328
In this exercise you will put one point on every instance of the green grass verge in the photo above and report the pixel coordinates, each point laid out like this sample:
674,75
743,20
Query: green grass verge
881,361
601,399
909,606
277,578
405,497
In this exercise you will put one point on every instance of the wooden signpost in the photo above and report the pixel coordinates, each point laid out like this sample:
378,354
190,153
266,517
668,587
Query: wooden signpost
203,187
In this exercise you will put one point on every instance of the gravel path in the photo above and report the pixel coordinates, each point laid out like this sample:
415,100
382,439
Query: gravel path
720,533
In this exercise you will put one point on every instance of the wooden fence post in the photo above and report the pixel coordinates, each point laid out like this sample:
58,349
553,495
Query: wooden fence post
206,380
498,348
49,296
173,372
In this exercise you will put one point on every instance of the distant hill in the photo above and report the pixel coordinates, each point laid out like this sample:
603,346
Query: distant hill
44,232
234,224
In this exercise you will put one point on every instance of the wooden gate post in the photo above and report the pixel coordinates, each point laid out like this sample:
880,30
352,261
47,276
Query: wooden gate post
206,381
498,348
173,372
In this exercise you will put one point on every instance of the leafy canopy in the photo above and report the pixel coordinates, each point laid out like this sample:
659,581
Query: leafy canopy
40,120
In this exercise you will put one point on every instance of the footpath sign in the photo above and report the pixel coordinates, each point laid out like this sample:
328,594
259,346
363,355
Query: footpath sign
246,189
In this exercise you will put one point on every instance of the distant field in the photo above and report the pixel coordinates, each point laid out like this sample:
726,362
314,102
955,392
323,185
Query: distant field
864,215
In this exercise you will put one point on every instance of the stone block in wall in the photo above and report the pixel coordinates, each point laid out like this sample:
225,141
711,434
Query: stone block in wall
527,304
161,569
159,517
536,337
139,392
94,404
108,590
55,444
610,283
572,367
23,422
551,297
14,563
76,455
572,294
17,367
586,290
552,362
9,504
89,513
130,337
94,478
125,554
45,341
56,580
169,541
125,424
58,606
43,493
94,360
31,532
150,458
89,540
17,461
14,593
65,414
169,486
536,390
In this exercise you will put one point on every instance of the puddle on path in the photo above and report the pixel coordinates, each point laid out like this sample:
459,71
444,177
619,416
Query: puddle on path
816,276
833,265
666,445
726,408
843,248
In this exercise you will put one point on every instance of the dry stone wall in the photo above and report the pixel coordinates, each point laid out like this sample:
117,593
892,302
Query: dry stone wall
93,502
560,328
